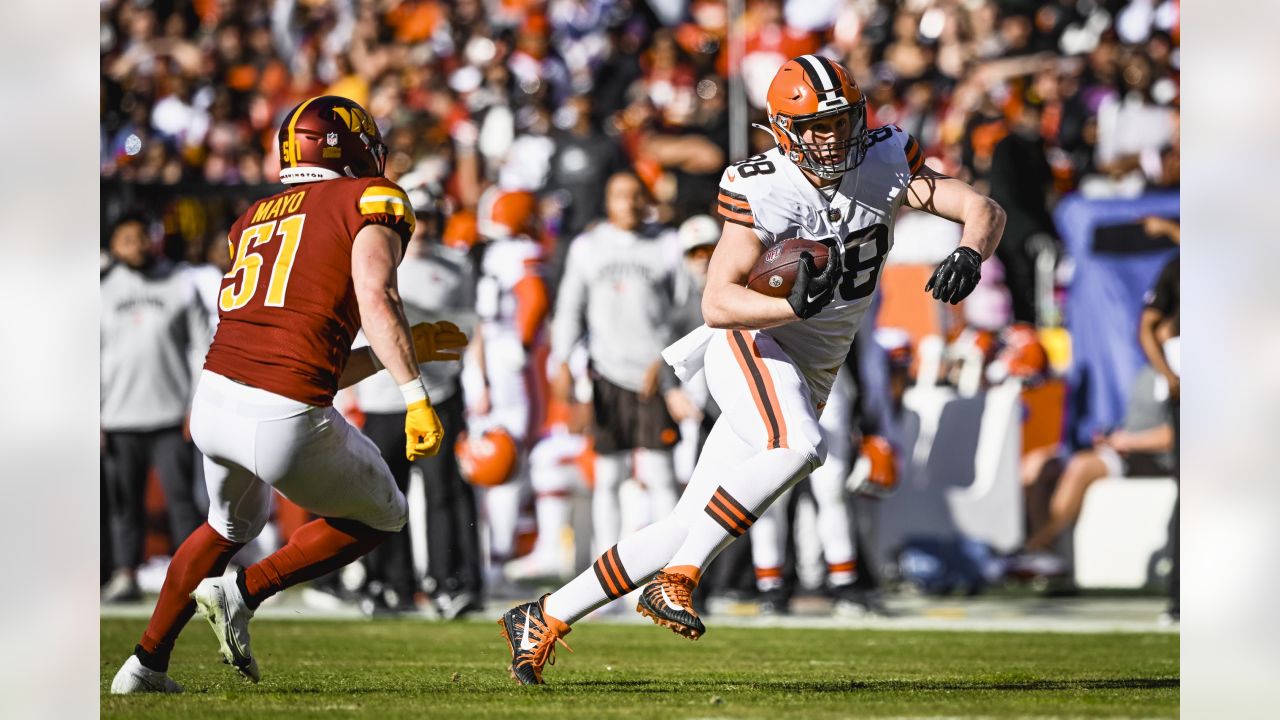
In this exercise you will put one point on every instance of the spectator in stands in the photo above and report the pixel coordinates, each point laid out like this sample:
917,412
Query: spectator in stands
1159,333
1140,448
154,334
1022,183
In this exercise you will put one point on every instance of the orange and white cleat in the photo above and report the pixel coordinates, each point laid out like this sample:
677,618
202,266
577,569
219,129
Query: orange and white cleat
668,601
531,636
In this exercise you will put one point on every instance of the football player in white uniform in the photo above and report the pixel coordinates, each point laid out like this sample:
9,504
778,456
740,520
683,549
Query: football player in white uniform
501,383
770,362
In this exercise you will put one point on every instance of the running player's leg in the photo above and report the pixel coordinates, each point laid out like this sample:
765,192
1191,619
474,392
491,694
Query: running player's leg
766,400
635,559
239,504
326,466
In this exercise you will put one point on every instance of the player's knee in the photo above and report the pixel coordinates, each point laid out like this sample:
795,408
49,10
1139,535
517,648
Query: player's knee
238,529
813,449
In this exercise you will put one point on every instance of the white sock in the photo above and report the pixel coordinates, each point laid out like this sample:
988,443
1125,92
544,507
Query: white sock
769,545
829,495
606,514
656,469
502,508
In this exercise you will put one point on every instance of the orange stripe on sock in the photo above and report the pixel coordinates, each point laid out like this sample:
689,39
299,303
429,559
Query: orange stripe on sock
615,564
842,567
768,573
728,506
602,574
727,520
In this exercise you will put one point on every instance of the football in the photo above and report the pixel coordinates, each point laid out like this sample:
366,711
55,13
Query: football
775,272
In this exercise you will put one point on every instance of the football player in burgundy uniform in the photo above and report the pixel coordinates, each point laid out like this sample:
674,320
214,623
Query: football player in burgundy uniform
310,266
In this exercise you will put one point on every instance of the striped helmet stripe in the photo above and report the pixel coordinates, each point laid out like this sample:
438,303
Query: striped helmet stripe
818,75
295,152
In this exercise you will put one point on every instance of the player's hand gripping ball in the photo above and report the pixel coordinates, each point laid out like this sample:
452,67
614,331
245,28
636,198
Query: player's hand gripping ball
798,270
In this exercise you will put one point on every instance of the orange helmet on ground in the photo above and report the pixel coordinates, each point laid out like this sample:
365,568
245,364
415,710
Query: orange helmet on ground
810,88
506,214
330,137
488,460
876,471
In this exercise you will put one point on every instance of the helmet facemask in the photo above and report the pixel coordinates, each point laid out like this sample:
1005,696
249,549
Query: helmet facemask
828,160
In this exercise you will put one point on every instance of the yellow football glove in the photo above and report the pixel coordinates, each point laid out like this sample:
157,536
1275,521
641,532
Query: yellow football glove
423,431
432,341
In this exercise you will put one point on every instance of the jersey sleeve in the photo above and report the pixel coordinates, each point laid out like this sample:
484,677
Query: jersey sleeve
915,154
732,202
382,202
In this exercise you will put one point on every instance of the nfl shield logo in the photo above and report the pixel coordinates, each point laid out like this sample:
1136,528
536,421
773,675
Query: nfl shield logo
332,139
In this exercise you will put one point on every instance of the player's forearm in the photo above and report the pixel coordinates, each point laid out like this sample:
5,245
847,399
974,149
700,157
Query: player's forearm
736,307
360,365
983,220
387,329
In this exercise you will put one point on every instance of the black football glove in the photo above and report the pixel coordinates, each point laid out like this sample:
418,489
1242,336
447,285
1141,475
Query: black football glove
956,276
813,289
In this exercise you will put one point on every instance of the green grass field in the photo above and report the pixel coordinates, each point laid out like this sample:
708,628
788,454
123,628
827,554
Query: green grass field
392,669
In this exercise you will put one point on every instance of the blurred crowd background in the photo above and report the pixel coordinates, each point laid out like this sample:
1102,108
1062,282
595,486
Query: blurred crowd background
1038,104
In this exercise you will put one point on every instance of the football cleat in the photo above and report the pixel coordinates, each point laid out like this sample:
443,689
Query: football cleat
531,636
134,677
219,600
668,601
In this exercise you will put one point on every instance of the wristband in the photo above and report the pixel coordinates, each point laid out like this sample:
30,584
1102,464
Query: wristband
415,391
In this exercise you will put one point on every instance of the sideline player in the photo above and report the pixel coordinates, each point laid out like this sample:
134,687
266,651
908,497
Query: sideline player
770,362
312,264
501,379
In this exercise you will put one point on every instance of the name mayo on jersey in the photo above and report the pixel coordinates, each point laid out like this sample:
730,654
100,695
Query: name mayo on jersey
770,195
287,310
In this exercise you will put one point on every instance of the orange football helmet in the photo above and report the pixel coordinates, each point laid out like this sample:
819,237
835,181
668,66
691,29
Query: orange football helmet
809,88
876,471
1023,355
488,460
460,230
507,213
329,137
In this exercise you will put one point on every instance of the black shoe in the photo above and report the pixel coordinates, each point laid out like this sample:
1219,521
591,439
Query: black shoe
668,601
531,636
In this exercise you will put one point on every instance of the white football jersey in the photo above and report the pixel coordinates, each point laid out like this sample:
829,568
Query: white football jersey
770,194
505,263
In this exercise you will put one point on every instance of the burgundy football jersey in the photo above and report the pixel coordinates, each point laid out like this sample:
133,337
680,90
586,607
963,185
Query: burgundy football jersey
287,309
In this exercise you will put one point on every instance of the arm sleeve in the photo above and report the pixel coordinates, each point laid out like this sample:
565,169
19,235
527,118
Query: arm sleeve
732,204
571,301
915,154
